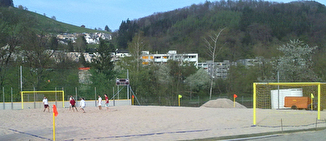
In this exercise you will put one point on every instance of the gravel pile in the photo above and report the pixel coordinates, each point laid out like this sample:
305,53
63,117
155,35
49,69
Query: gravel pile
222,103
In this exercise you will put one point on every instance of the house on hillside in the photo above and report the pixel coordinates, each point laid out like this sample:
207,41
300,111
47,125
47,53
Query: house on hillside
148,58
216,69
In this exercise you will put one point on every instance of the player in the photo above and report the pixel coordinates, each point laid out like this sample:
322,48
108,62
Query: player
106,102
99,102
73,104
70,102
46,104
82,104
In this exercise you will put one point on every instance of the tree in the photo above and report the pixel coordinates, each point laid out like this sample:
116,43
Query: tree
53,18
240,79
10,38
213,50
83,61
38,58
70,46
135,47
6,3
126,32
53,43
198,80
102,73
81,43
296,63
102,62
106,28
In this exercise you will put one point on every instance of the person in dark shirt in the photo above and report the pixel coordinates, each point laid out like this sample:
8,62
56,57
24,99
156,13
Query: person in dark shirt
73,104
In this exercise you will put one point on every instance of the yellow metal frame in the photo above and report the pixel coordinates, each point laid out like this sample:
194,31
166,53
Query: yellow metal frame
31,92
286,84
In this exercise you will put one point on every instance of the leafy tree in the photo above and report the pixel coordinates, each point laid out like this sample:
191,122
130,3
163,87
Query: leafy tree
240,79
102,62
296,63
12,29
102,67
319,65
38,58
198,81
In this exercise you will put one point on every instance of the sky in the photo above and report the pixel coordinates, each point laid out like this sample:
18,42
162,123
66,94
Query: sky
99,13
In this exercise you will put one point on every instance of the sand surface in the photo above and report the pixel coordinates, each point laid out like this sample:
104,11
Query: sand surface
139,123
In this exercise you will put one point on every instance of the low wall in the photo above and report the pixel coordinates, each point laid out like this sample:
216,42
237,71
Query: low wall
39,104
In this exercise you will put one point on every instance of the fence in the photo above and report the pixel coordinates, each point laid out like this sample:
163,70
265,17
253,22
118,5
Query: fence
11,99
39,105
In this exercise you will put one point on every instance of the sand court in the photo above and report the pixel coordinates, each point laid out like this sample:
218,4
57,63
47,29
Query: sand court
149,123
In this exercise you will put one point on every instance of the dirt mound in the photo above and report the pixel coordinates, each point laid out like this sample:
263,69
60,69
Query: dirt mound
222,103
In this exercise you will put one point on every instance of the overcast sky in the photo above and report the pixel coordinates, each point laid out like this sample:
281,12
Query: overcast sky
99,13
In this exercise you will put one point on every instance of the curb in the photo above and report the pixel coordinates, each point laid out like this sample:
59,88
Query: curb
258,135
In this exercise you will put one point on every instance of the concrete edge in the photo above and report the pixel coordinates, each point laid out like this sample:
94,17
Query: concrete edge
258,135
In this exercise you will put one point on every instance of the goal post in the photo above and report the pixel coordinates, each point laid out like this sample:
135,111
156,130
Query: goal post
263,94
39,95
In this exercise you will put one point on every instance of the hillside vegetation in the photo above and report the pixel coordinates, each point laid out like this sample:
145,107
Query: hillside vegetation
253,28
39,22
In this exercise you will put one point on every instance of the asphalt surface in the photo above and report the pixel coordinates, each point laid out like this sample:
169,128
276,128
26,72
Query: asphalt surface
297,136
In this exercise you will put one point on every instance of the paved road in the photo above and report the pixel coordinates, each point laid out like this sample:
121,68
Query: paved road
298,136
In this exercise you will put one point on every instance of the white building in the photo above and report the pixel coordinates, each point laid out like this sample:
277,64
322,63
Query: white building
221,68
250,62
148,58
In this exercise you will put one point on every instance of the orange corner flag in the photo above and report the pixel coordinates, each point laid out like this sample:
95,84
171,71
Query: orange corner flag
55,110
235,96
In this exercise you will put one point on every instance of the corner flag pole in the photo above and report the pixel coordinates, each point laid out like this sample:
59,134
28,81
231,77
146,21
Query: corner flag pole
53,127
55,113
311,103
179,97
234,96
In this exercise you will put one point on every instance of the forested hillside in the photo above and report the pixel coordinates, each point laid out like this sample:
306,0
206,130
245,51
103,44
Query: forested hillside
254,28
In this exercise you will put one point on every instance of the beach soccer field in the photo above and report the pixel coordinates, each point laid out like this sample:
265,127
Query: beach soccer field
140,123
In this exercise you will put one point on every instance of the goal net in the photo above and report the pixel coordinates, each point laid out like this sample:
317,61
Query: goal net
34,99
289,95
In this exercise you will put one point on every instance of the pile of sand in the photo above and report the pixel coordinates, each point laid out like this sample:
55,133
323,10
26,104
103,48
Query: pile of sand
222,103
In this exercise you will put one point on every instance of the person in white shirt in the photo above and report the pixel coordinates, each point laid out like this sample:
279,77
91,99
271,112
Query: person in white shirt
99,102
82,104
46,104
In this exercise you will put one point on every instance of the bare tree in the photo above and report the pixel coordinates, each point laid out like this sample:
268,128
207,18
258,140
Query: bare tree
212,50
136,46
